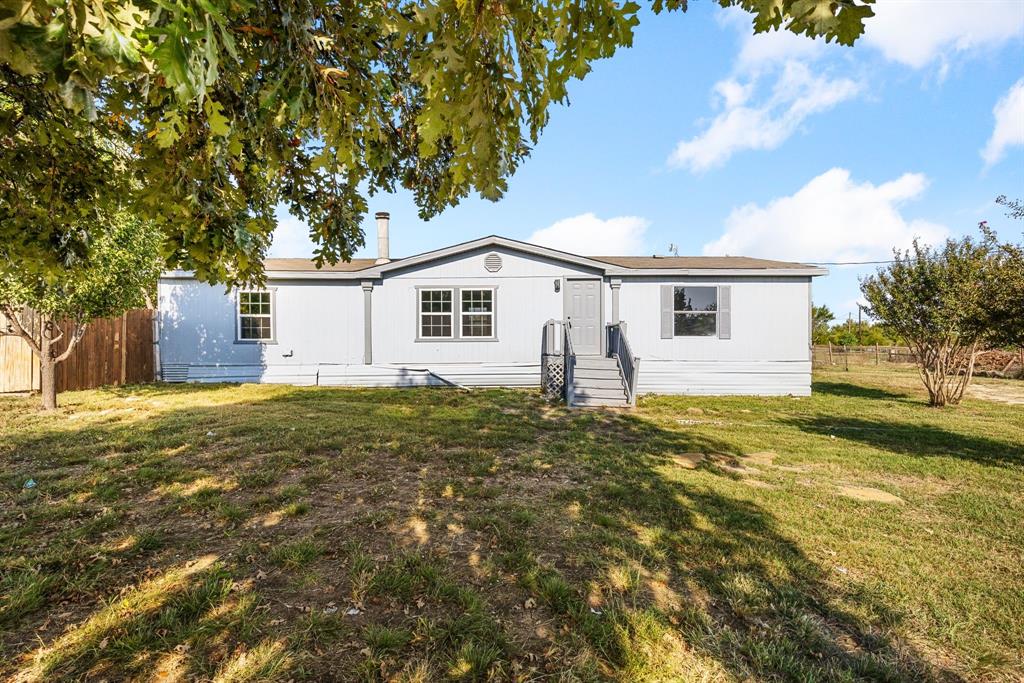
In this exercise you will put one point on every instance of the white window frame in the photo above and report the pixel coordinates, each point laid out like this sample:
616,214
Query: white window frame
718,304
272,316
490,314
420,313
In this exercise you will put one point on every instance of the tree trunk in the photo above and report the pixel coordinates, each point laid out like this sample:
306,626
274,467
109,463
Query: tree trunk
962,373
47,374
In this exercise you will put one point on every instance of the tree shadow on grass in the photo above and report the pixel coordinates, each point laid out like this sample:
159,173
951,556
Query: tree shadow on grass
913,439
765,609
559,502
848,390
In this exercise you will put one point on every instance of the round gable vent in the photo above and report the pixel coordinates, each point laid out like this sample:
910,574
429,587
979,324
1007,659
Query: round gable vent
492,262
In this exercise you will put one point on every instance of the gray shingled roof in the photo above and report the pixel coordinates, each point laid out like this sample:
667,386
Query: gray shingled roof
691,262
297,265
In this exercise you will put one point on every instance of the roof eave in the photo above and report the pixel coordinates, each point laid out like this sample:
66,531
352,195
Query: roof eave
366,274
493,241
619,271
616,271
603,267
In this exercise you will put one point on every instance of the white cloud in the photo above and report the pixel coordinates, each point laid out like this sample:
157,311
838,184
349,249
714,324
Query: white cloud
831,218
733,93
291,238
770,93
588,234
759,51
796,95
1009,128
917,32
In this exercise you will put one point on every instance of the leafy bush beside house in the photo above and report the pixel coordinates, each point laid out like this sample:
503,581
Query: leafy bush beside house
948,303
1003,304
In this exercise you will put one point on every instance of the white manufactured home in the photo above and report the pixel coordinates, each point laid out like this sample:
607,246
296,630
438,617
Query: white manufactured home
498,312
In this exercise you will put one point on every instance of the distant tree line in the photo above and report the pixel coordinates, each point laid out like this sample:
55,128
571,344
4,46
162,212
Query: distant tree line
849,332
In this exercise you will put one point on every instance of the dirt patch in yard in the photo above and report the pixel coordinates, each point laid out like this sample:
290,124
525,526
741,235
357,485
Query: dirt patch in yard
1005,392
869,495
743,464
732,464
760,458
688,461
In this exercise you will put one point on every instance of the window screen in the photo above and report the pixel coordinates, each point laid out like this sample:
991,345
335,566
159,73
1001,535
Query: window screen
477,312
255,316
695,311
436,313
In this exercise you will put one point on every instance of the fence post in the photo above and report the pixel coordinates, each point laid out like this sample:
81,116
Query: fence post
830,361
124,348
876,354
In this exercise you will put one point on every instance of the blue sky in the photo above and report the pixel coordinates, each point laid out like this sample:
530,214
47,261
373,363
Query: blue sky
705,136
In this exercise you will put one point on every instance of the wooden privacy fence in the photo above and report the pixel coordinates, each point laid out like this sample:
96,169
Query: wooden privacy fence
113,351
824,355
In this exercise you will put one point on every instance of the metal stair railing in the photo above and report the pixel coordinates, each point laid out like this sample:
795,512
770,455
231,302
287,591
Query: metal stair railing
569,364
618,347
557,343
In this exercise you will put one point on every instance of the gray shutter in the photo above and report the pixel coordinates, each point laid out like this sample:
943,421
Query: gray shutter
667,325
724,312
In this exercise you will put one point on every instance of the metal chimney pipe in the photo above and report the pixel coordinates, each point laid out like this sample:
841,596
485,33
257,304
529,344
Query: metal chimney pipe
383,251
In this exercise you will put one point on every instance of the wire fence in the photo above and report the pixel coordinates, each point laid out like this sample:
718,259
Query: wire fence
834,355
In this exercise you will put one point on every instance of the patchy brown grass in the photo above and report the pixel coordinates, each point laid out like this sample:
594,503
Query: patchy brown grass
234,533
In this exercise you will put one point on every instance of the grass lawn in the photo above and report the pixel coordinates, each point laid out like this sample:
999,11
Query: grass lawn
234,533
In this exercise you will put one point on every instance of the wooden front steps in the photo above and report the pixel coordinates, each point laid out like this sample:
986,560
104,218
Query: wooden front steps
598,381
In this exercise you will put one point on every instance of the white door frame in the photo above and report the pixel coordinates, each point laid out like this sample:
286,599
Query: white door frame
600,305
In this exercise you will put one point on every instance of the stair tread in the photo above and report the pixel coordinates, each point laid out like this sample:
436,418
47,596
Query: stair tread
599,382
596,362
601,402
599,392
597,373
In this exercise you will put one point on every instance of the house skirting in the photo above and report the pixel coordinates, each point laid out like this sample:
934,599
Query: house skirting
359,375
751,378
725,378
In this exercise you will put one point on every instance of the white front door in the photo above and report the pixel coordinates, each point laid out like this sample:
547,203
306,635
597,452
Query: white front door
583,311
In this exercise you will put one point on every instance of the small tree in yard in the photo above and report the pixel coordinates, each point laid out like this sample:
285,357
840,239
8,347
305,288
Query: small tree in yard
933,298
1003,302
116,274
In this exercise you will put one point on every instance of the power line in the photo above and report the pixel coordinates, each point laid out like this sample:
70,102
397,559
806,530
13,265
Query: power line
850,263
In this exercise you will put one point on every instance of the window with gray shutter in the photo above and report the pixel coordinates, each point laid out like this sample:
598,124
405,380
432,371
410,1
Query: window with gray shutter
725,312
666,312
695,311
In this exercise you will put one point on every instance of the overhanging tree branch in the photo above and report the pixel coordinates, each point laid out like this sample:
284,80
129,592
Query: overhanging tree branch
72,342
14,319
